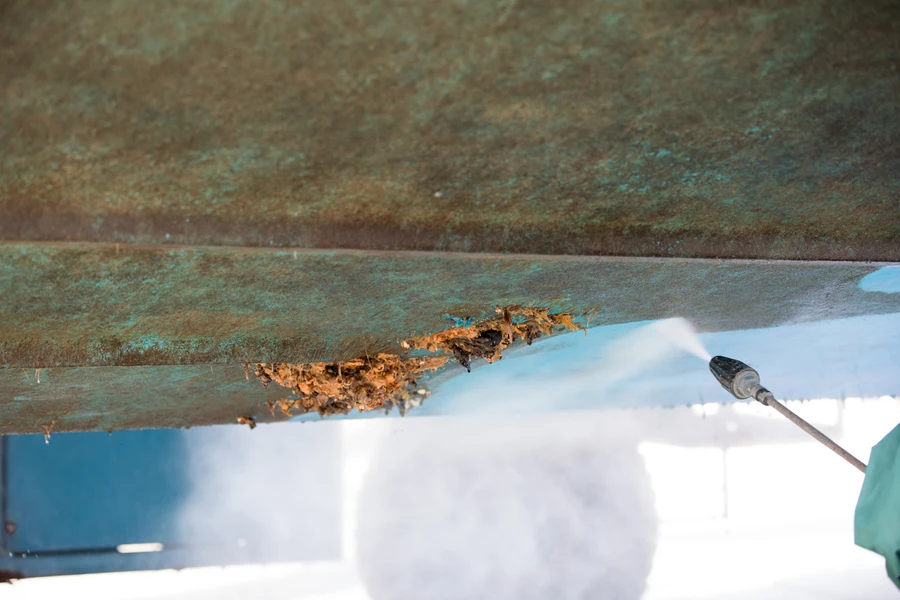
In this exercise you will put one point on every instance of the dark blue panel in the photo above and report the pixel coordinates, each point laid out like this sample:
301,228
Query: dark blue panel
211,496
94,489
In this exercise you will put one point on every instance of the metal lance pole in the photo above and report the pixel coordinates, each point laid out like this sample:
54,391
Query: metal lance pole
742,381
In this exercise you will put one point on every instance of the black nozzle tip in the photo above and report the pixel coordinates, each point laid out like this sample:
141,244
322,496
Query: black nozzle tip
726,371
723,364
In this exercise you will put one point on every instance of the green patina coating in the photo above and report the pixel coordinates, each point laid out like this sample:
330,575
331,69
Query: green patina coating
156,337
90,305
668,128
115,398
685,128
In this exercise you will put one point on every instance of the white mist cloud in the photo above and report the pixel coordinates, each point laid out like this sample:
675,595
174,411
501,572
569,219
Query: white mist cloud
270,494
520,508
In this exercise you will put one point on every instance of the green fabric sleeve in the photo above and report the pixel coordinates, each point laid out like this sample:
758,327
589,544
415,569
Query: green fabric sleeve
877,519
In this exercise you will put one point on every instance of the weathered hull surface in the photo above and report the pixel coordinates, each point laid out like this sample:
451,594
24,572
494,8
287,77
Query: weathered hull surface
159,167
92,337
695,128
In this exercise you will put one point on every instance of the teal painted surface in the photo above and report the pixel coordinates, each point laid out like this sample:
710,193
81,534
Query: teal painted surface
885,280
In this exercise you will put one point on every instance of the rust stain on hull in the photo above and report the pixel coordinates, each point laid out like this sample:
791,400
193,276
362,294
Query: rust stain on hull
388,380
487,338
368,383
